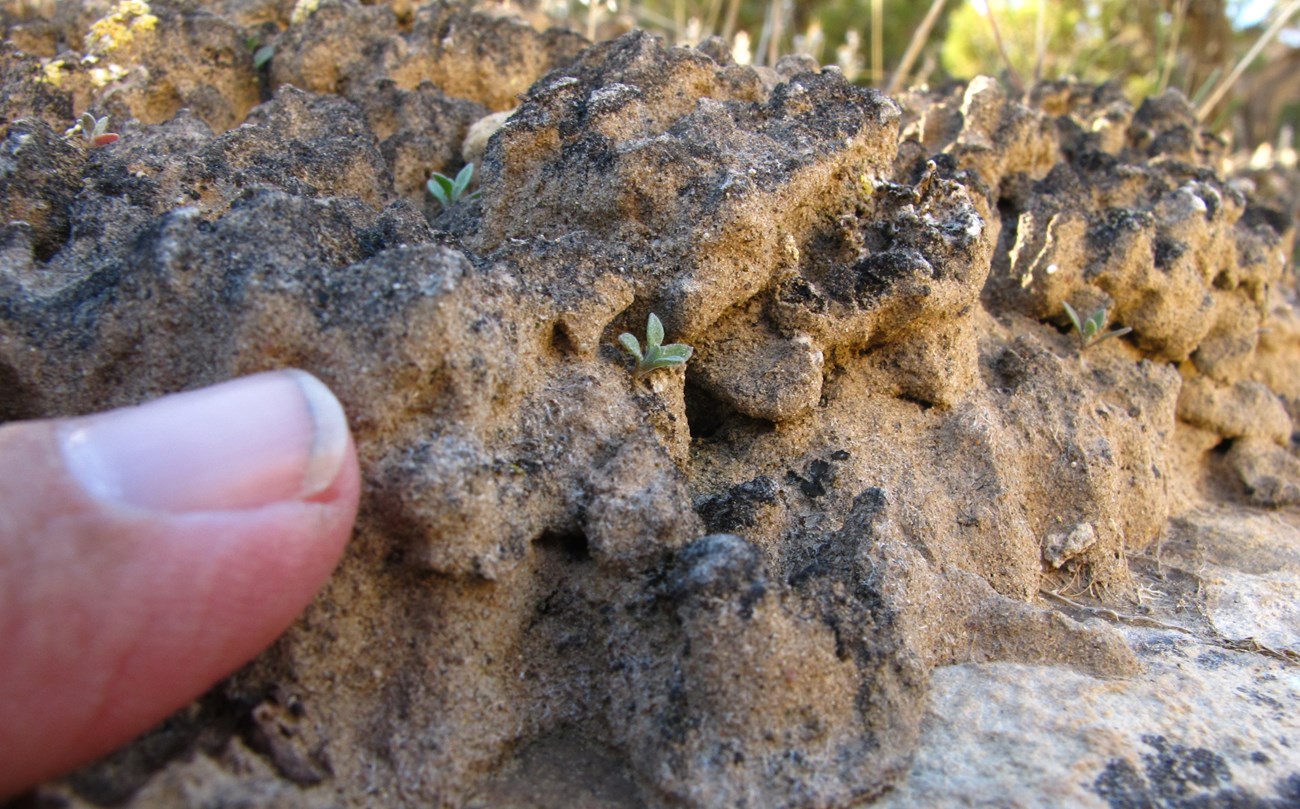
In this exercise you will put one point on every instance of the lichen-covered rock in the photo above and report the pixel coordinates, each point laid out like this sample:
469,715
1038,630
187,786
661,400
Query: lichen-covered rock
1269,474
1161,245
1011,733
419,132
344,46
1247,409
722,585
609,146
755,371
37,189
147,61
767,709
26,90
422,78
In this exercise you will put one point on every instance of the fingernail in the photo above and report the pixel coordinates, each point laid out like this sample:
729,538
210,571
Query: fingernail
242,444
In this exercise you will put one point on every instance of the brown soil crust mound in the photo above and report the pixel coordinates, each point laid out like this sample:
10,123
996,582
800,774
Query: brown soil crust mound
724,586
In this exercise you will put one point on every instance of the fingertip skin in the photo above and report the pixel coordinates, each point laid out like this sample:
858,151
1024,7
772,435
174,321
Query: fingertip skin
112,617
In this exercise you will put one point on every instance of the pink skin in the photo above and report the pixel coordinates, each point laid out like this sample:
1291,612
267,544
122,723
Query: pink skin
124,595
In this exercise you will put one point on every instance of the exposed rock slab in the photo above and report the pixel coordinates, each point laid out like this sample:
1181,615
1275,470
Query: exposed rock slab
1208,722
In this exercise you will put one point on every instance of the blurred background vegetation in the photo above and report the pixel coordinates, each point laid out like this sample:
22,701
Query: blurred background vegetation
1237,60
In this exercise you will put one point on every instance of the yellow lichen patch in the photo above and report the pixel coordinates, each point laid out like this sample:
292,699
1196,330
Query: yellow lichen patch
52,72
100,76
302,10
128,18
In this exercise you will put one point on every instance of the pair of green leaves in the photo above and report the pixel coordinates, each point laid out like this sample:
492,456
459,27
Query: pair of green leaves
656,355
448,191
96,131
1090,329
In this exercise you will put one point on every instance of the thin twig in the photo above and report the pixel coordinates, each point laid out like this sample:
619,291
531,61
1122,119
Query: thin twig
649,18
877,41
1246,645
1040,40
919,38
1203,111
1206,86
1171,52
1117,617
729,25
1012,75
711,19
778,31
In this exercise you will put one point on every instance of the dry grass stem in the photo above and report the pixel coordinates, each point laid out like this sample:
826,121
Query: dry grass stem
877,41
919,37
1284,16
1016,83
1040,40
1171,49
1115,615
729,24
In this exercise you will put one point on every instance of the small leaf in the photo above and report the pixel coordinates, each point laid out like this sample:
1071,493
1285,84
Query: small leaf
462,181
1073,315
1113,333
676,352
262,56
1096,322
87,123
105,139
1207,85
654,330
440,186
662,362
630,345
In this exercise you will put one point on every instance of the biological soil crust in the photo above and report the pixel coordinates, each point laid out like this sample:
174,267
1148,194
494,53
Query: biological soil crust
889,478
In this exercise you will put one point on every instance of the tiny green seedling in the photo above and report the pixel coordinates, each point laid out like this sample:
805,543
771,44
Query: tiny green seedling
448,191
96,131
656,355
1090,330
262,57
